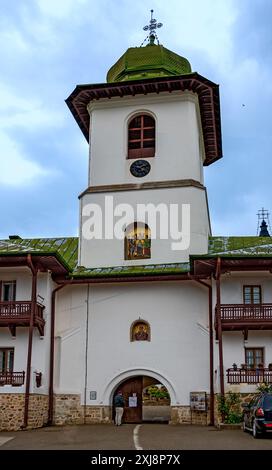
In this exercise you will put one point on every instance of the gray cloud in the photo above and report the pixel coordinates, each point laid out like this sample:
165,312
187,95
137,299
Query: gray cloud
48,48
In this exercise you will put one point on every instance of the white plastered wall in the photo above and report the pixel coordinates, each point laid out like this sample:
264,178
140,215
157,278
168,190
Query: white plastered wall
178,352
110,252
179,142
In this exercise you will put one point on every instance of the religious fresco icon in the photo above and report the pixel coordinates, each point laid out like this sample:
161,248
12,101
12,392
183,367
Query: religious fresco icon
137,241
140,331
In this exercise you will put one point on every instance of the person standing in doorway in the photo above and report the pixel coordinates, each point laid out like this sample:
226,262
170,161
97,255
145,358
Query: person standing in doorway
119,404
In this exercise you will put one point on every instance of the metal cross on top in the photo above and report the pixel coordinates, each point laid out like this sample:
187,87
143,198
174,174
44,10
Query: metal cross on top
151,27
263,216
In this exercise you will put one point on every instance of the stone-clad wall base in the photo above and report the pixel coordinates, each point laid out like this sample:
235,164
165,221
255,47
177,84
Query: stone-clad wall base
38,411
184,415
68,410
12,411
98,414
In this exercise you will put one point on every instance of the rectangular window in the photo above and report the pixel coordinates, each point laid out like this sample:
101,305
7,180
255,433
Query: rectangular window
252,295
6,359
8,291
254,357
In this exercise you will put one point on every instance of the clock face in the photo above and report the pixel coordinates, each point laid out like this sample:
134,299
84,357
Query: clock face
140,168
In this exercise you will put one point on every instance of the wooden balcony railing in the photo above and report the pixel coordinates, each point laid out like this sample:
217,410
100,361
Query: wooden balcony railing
246,312
19,309
17,313
250,376
244,317
16,379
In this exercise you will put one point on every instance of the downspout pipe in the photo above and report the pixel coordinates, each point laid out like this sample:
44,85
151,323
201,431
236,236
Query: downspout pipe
219,325
30,337
52,355
86,352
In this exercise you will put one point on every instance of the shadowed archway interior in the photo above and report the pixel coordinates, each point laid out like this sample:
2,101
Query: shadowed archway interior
146,400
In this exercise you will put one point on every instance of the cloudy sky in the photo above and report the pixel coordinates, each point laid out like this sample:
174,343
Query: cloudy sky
50,46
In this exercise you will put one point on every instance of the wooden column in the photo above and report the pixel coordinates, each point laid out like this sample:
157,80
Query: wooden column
211,357
30,337
52,355
219,325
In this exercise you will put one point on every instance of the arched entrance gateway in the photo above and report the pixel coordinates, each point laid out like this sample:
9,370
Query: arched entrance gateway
146,400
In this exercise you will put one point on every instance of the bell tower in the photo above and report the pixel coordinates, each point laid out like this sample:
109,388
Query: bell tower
150,129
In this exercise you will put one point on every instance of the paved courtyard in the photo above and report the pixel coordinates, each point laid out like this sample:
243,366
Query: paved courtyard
131,437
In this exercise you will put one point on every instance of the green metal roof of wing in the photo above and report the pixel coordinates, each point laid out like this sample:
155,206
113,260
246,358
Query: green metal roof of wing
150,61
129,271
240,246
66,249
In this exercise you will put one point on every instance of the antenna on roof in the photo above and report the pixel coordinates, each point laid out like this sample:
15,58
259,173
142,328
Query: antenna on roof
151,27
263,223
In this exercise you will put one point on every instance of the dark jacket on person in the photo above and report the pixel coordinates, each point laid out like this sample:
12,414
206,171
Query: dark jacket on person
119,401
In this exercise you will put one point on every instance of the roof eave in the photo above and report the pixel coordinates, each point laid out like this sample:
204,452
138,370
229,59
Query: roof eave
208,93
23,255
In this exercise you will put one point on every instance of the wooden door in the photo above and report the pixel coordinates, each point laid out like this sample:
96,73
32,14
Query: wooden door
132,393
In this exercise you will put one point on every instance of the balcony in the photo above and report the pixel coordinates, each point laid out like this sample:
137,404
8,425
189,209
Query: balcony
249,376
16,379
245,316
13,314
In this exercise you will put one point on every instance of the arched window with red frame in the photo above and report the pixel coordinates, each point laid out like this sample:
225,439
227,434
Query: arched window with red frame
141,136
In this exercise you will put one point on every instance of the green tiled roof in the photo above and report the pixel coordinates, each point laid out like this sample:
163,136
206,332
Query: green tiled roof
65,249
148,62
143,270
240,246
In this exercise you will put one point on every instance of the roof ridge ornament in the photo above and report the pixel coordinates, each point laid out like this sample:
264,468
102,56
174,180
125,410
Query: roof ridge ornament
151,27
263,223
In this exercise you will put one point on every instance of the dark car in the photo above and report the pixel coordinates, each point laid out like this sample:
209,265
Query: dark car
258,415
